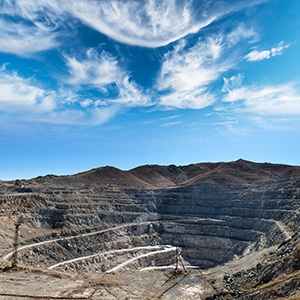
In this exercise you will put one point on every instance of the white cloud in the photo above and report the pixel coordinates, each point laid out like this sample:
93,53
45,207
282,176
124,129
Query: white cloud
103,72
240,33
267,100
232,83
30,103
102,115
131,95
86,102
18,94
25,40
98,86
38,24
96,69
195,99
66,95
67,117
257,55
187,73
144,23
73,103
169,124
275,122
32,30
152,23
187,69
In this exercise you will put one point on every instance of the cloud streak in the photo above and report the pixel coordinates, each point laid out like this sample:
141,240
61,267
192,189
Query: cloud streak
95,69
97,85
257,55
101,71
68,105
32,30
25,40
266,100
18,94
27,102
187,72
143,23
151,23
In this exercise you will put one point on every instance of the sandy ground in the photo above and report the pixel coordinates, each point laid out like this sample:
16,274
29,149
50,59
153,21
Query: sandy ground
151,284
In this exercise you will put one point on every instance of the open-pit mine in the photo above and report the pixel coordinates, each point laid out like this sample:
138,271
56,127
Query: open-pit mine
202,231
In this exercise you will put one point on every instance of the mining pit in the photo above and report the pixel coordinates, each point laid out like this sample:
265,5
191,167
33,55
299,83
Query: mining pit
203,231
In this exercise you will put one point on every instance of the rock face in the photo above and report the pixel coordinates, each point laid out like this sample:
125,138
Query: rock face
212,212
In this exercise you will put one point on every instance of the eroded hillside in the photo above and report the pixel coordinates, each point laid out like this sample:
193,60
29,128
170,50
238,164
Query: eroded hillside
227,229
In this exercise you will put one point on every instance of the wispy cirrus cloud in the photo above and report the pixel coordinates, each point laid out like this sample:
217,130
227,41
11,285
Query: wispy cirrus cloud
39,24
95,69
73,117
18,94
32,30
282,99
96,80
257,55
151,23
28,102
101,71
144,23
43,13
187,73
131,95
73,103
24,40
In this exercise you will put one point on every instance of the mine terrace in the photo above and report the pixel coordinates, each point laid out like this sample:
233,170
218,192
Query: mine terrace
202,231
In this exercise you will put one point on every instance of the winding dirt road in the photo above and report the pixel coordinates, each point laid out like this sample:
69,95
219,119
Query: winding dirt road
154,249
10,254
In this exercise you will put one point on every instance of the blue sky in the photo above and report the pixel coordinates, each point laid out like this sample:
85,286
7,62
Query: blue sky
87,83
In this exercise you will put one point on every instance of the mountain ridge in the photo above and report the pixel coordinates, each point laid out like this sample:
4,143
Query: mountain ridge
171,175
168,176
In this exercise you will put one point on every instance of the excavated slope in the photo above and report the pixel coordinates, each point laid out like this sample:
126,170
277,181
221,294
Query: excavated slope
106,219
